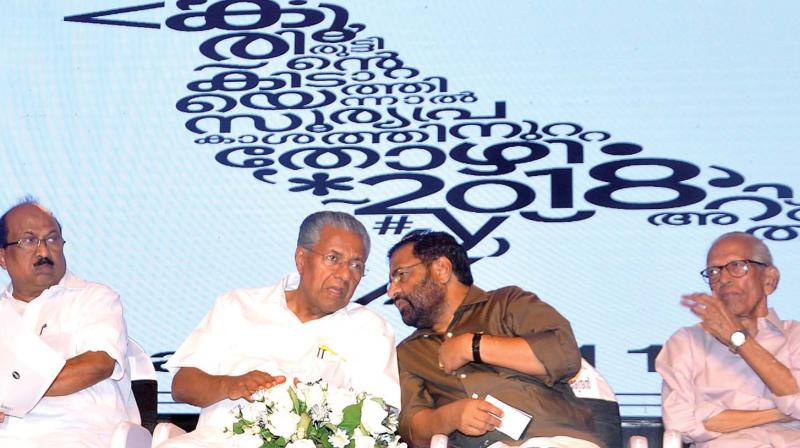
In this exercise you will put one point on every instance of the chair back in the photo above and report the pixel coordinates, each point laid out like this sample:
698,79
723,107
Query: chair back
143,384
595,392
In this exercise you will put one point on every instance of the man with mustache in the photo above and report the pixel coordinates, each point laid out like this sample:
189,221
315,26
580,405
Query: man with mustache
732,379
80,321
304,327
470,344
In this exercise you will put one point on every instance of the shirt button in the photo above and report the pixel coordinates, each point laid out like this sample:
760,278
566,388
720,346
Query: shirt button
462,376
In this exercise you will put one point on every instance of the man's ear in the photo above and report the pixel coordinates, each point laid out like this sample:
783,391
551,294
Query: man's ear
441,270
3,258
772,277
299,259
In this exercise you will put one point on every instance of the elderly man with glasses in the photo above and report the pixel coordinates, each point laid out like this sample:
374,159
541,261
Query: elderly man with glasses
304,327
50,314
732,380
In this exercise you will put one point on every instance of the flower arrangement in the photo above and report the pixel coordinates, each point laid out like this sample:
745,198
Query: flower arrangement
314,415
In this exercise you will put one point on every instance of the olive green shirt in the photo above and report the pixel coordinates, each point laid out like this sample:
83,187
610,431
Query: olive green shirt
508,311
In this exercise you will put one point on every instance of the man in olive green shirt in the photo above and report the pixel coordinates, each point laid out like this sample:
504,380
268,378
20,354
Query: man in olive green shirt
471,343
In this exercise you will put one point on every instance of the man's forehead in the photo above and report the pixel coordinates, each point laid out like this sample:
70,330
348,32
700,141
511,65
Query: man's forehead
29,216
731,247
343,241
402,255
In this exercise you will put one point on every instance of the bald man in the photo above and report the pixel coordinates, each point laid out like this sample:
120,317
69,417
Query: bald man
732,379
78,321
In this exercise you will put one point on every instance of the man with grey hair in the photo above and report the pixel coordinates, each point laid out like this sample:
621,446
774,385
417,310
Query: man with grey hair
304,327
732,379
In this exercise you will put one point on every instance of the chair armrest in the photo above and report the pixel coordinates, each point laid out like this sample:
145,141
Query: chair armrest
130,435
164,432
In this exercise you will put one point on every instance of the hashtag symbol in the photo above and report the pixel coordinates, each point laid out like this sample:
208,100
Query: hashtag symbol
388,224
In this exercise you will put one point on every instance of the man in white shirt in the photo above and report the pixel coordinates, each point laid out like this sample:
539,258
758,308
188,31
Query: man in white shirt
304,327
76,320
731,380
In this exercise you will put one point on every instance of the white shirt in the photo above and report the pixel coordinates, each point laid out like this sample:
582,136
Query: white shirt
702,378
253,329
75,317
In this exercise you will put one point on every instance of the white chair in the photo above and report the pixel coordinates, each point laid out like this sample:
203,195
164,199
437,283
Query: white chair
164,432
131,435
142,373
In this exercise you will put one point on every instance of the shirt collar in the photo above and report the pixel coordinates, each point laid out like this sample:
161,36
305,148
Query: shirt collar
771,321
68,281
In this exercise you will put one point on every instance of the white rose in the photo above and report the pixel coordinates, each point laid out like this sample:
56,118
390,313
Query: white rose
305,443
279,397
246,441
338,399
283,423
365,442
372,416
314,395
252,411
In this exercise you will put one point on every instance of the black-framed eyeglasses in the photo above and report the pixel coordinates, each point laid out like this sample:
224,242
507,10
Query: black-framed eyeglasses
32,243
333,260
737,268
400,274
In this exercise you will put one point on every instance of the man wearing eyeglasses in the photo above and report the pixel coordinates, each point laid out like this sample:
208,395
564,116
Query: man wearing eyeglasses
731,380
473,346
304,327
69,322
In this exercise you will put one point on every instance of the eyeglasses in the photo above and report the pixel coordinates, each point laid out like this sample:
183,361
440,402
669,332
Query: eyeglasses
399,275
737,268
334,260
31,243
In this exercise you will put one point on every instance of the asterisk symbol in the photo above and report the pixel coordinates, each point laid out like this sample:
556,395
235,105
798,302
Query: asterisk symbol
321,183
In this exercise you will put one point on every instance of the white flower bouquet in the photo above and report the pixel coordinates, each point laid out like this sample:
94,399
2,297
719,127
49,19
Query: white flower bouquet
314,415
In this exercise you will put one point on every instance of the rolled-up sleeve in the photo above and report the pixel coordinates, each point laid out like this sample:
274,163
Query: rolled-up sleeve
207,345
548,334
102,327
681,410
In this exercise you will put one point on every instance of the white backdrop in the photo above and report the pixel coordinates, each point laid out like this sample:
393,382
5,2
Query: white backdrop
93,126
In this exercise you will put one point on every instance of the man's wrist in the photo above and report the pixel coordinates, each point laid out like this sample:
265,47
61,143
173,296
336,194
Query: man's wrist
737,339
476,348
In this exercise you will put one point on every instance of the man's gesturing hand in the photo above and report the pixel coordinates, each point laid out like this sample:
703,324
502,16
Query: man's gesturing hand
244,386
717,320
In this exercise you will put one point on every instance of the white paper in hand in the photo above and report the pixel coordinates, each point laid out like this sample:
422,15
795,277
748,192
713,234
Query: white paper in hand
514,420
28,367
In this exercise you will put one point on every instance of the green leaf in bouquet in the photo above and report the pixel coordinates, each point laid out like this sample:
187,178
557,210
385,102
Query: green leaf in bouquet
325,442
304,424
295,400
351,417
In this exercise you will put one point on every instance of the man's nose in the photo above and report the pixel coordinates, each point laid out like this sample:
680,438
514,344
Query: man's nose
342,270
392,289
43,250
